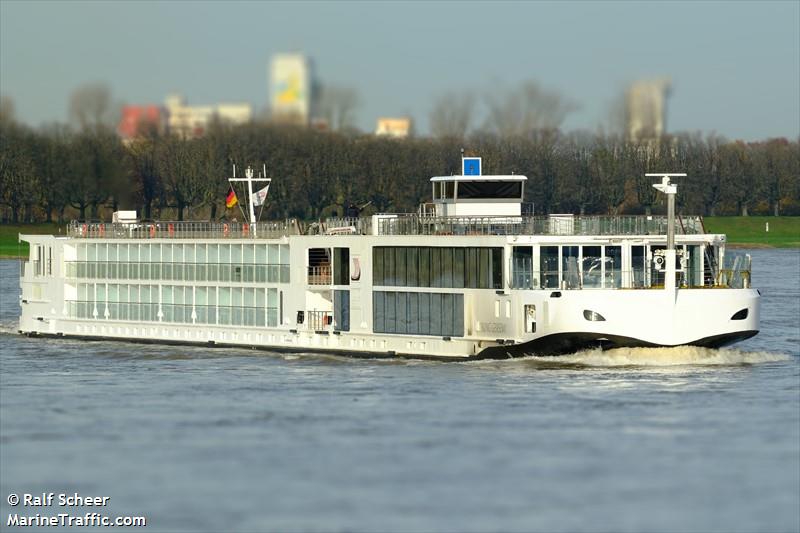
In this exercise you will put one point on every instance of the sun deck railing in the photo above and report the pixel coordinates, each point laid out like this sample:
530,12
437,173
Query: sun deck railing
553,225
184,230
392,224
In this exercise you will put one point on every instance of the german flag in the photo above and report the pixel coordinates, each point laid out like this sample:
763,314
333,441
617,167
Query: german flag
231,200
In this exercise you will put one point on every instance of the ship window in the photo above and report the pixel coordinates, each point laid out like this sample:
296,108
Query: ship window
412,267
378,314
613,267
424,267
569,267
436,314
436,267
592,267
411,313
447,190
399,267
522,268
390,312
497,268
401,313
484,267
471,261
341,310
593,316
657,271
424,313
341,264
272,307
447,267
548,266
377,266
459,267
200,302
236,253
489,190
740,315
388,266
637,266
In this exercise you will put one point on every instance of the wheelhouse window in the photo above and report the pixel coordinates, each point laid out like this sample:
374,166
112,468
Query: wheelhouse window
481,190
444,190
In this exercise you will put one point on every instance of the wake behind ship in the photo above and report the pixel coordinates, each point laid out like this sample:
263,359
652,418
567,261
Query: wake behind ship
470,275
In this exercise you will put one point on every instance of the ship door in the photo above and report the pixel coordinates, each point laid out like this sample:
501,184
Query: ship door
530,318
341,310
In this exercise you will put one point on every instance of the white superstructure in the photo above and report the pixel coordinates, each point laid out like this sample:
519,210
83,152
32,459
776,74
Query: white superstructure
471,274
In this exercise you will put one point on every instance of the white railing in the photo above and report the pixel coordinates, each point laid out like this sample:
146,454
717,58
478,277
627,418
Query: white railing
400,224
183,230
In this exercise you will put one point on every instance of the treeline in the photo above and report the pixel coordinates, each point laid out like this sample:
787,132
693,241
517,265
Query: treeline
57,174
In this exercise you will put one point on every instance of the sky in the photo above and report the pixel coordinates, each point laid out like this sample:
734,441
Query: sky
734,66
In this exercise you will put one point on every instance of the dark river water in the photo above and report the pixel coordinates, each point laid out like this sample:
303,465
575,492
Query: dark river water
198,439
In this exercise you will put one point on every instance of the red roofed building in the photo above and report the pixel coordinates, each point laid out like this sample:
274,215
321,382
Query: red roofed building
137,118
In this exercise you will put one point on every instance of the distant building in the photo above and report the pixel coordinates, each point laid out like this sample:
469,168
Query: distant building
398,128
135,120
291,87
193,121
646,109
234,113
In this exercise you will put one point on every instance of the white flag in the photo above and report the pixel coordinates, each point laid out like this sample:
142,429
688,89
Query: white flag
259,197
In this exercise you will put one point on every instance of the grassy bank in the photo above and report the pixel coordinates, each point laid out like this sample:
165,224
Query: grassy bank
9,245
784,232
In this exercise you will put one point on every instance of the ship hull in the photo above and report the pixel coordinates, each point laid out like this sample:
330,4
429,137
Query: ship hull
568,343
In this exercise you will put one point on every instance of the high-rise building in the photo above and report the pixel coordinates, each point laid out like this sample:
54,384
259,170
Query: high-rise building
290,85
646,109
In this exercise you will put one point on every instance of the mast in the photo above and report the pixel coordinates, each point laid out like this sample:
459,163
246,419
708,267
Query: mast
250,204
670,189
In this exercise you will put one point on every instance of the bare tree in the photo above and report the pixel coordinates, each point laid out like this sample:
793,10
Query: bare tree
6,109
91,107
451,115
337,106
527,109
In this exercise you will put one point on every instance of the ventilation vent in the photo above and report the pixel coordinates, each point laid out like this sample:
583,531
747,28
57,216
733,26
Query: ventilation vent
593,316
740,315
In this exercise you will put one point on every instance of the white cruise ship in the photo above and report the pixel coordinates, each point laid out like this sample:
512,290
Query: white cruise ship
470,275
